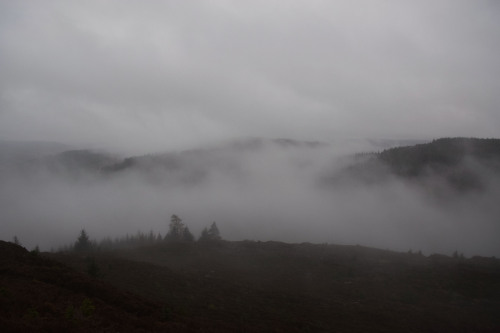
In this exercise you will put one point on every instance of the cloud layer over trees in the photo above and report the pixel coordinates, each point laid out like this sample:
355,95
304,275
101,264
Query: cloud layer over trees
264,191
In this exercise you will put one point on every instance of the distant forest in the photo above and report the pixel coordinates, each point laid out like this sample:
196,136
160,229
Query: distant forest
178,232
462,163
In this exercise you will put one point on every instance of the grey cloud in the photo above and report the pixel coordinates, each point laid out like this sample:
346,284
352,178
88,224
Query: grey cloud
142,76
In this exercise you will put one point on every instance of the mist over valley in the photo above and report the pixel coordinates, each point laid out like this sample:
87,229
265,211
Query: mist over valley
436,197
249,166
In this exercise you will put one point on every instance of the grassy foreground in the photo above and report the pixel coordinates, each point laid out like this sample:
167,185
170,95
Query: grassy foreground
248,287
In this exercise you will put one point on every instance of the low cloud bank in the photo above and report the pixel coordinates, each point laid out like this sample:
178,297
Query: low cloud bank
270,192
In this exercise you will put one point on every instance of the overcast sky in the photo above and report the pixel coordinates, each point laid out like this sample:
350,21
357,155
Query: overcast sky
157,75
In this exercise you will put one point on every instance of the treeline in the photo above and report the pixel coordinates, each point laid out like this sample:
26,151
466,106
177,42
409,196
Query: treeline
178,232
442,153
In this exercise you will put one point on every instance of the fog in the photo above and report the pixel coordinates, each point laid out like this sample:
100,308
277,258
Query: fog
268,192
146,77
143,76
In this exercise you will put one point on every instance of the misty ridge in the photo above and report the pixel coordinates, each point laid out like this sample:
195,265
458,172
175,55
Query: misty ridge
437,197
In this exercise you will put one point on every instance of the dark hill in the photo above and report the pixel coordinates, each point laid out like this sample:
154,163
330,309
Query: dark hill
461,163
278,287
445,156
41,295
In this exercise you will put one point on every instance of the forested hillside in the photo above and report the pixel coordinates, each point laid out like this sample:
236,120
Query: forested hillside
462,163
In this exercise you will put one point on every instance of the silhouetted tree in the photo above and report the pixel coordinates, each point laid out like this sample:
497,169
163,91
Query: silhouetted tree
213,232
187,236
151,237
177,230
204,234
16,241
83,242
210,234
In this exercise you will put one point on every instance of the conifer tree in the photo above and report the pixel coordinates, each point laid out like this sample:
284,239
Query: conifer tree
176,229
213,232
187,236
204,234
210,234
83,242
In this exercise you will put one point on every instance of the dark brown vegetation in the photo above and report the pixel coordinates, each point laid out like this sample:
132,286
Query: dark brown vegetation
277,287
41,295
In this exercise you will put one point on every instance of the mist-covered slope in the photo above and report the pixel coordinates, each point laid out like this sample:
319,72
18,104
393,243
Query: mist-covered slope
461,164
435,197
41,159
189,167
464,163
30,149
